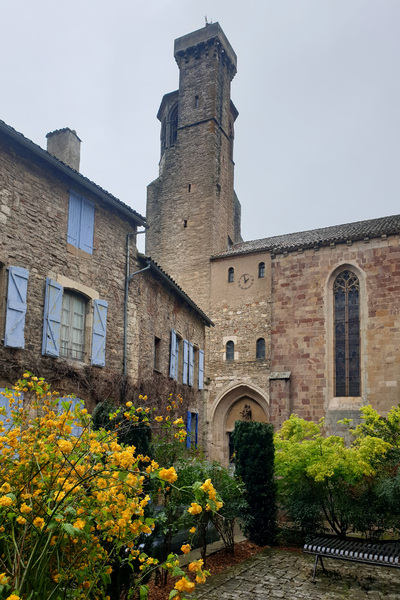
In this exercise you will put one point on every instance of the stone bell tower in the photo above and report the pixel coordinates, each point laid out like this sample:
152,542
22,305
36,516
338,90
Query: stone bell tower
192,210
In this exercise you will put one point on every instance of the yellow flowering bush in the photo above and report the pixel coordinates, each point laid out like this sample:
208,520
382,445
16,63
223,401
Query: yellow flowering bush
69,506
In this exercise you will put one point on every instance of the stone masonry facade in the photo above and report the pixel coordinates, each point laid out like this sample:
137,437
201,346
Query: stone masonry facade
35,189
273,350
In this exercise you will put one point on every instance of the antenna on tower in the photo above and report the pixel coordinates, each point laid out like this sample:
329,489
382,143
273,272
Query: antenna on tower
206,20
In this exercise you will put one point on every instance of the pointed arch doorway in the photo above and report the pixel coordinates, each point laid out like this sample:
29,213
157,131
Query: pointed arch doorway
241,402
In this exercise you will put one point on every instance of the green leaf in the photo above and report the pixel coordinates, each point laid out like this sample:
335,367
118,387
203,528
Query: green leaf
144,592
68,528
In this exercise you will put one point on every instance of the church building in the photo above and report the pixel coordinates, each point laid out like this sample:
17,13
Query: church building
305,323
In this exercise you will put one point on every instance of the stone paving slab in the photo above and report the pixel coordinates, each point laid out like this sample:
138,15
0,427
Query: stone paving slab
276,574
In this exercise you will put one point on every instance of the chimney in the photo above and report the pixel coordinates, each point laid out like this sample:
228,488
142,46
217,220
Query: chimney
65,145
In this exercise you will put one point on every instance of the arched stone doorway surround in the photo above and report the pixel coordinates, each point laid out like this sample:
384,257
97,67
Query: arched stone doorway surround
240,401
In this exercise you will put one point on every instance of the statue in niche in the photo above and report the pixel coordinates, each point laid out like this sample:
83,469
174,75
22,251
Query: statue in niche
246,412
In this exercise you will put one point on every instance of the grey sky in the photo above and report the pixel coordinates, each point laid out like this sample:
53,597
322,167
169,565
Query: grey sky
318,134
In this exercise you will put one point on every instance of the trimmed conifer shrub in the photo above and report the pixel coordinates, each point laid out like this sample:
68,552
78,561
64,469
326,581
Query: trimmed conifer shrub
254,461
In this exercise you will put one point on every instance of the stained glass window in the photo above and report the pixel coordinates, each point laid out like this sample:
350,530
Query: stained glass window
346,291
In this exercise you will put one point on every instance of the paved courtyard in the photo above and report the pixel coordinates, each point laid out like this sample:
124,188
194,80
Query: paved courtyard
275,574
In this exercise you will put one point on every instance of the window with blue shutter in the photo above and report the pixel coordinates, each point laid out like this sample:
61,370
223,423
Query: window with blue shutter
80,222
52,318
191,364
201,369
185,371
72,404
192,425
16,307
99,333
173,358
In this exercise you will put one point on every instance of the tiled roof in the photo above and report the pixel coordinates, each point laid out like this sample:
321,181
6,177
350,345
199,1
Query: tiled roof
337,234
84,181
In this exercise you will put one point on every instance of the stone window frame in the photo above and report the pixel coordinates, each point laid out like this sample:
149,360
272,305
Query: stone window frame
333,401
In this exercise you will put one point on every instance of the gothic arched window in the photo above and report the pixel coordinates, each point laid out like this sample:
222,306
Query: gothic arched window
346,293
260,348
261,269
231,275
230,350
173,125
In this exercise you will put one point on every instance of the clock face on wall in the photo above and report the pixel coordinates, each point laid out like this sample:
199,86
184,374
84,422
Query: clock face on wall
245,281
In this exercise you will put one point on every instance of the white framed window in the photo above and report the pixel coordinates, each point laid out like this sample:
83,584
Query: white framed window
73,320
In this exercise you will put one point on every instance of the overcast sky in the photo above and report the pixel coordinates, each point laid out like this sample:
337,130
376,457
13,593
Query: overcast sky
318,92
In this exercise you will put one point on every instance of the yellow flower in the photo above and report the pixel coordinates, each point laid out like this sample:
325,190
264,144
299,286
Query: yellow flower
168,475
186,548
194,509
3,579
13,597
79,524
192,530
65,446
128,404
184,585
21,520
5,501
25,508
178,421
159,419
196,565
38,522
5,488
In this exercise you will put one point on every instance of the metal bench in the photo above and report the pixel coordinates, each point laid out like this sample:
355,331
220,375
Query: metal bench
380,554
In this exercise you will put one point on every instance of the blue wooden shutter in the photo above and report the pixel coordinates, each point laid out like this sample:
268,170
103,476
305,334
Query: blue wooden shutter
188,429
74,218
197,430
76,429
185,361
5,402
172,358
52,318
201,369
191,364
87,226
16,307
99,333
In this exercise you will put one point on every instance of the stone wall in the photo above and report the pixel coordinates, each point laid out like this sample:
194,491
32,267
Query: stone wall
302,324
34,205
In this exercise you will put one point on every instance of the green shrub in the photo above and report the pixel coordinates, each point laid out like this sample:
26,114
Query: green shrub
254,460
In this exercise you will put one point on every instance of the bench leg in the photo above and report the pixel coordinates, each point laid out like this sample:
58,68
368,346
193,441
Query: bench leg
317,556
315,567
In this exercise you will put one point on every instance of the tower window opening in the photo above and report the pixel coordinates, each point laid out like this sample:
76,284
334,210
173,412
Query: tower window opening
230,350
185,223
189,188
231,275
261,269
260,348
196,102
173,125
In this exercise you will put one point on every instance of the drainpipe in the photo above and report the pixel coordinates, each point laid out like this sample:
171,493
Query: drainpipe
128,279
